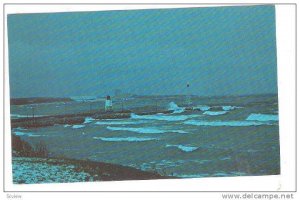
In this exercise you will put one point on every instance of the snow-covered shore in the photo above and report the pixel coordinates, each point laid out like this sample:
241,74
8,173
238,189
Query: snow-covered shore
32,170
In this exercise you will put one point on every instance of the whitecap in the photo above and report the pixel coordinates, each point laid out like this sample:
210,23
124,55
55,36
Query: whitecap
223,123
17,116
119,122
213,113
190,175
78,126
125,139
201,107
84,98
163,117
175,108
144,130
19,133
183,147
262,117
227,108
20,129
88,120
67,125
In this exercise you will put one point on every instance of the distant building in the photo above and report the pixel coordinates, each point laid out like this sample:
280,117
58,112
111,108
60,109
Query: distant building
108,104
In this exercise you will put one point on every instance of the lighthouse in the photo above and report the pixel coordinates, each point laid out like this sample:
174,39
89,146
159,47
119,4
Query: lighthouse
108,104
188,95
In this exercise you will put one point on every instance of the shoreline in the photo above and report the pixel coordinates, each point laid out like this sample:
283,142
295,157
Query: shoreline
32,164
32,170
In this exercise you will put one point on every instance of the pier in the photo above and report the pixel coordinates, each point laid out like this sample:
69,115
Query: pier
78,118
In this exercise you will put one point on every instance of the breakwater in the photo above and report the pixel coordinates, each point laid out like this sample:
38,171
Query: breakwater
43,121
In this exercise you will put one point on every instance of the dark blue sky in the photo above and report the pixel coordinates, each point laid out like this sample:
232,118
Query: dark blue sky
220,51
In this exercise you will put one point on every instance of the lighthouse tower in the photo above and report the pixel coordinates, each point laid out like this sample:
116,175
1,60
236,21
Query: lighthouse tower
108,104
188,95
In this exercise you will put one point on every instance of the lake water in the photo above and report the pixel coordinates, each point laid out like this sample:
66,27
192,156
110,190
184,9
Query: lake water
222,136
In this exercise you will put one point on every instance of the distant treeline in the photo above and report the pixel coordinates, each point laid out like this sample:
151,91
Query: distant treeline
33,100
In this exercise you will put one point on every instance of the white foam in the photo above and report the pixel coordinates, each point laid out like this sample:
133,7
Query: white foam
214,113
88,120
175,108
17,116
20,129
163,117
125,139
119,122
84,98
183,148
201,107
180,110
223,123
67,125
78,126
144,130
220,174
262,117
227,108
190,175
19,133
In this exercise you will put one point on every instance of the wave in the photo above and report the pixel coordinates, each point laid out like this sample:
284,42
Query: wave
78,126
125,139
20,129
227,108
120,122
262,117
19,133
144,130
175,108
224,123
213,113
191,175
201,107
17,116
84,98
163,117
88,120
183,148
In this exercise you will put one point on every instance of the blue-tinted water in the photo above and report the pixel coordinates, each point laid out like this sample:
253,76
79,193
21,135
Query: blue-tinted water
222,136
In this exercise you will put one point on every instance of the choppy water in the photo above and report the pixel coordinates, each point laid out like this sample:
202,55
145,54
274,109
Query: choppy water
223,136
